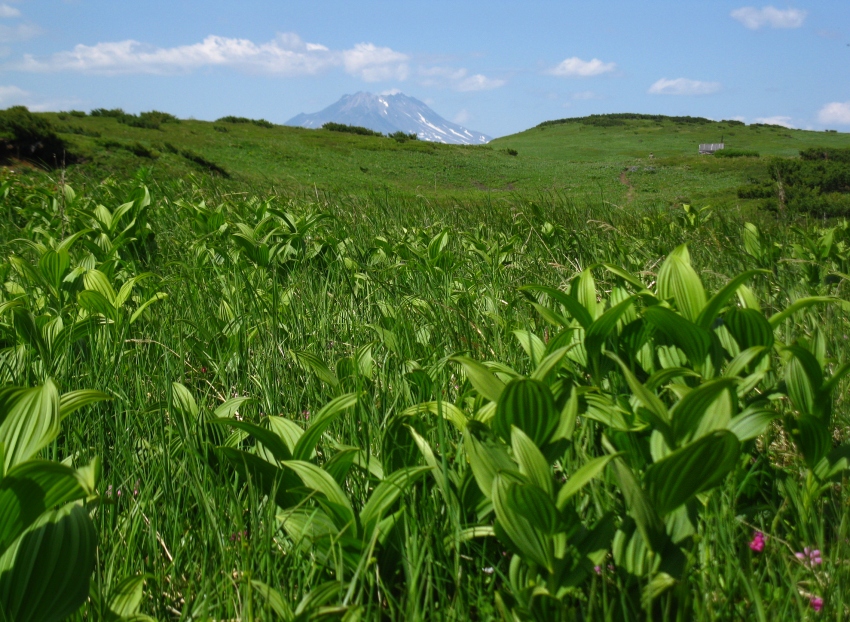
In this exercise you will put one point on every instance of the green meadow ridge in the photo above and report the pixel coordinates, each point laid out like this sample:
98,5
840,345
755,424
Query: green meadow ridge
583,157
258,373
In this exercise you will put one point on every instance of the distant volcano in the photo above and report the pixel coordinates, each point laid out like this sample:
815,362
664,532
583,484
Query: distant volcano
391,113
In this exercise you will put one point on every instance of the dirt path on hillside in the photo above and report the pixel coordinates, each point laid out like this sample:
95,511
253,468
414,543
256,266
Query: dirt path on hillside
630,195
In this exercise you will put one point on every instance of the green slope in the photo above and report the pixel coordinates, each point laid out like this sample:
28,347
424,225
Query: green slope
633,161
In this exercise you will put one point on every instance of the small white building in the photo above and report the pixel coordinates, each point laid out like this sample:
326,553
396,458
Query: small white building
709,148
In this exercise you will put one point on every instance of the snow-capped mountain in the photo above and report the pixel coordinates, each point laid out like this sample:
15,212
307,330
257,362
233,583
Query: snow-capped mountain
391,113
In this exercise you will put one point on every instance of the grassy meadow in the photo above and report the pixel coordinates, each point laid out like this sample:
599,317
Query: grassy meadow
357,379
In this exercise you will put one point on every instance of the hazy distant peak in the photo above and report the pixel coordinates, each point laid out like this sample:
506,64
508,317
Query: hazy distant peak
390,112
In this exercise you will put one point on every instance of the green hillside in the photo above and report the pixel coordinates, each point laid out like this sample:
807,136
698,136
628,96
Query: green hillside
634,160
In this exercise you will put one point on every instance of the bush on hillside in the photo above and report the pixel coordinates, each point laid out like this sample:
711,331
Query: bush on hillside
610,120
818,183
401,137
735,153
30,137
257,122
350,129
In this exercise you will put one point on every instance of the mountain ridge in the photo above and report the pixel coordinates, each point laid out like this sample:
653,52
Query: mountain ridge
389,113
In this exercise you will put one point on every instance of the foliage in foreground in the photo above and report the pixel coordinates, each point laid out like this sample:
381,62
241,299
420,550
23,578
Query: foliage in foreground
334,410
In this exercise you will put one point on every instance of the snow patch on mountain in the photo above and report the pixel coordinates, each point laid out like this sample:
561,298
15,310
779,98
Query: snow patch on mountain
391,112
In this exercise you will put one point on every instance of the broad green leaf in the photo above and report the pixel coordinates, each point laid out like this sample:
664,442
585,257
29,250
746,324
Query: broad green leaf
183,400
289,431
521,510
646,517
646,397
155,298
486,461
386,493
705,409
30,489
531,461
749,328
268,478
550,362
678,281
274,600
751,423
532,344
327,415
127,288
311,361
269,439
580,478
529,405
45,574
74,400
321,481
603,326
584,289
96,303
230,407
571,304
813,438
95,280
487,385
738,365
718,301
126,597
693,340
804,378
448,410
695,468
29,421
834,464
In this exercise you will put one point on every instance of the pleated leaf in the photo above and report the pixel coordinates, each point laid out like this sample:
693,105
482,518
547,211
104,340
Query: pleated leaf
528,404
678,281
45,574
29,421
693,469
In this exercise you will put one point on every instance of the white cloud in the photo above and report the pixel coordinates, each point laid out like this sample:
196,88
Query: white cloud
457,79
8,11
575,67
754,18
21,32
479,82
286,55
683,86
374,64
777,120
12,95
837,113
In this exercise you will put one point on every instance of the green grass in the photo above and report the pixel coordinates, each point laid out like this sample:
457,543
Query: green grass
381,282
582,161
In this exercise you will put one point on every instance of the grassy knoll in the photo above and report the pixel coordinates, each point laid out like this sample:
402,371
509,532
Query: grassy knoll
282,401
583,161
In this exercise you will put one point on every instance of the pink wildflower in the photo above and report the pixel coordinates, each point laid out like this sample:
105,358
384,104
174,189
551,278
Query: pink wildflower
757,543
810,557
817,603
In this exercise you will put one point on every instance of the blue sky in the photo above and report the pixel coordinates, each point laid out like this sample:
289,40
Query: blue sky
497,67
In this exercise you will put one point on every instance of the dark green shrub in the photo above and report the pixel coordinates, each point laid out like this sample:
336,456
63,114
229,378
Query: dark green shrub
220,128
736,153
826,153
77,113
257,122
30,137
350,129
104,112
511,152
401,137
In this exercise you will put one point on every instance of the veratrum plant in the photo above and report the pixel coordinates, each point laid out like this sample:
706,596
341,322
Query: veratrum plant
678,380
47,540
315,508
